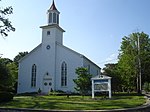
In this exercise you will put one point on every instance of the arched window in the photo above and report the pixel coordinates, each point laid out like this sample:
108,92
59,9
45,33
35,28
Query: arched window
54,17
50,17
57,19
33,76
64,74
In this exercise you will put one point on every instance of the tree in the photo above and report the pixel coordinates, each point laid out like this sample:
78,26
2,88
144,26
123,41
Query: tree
6,80
5,24
6,60
13,70
83,81
134,48
111,70
8,74
19,56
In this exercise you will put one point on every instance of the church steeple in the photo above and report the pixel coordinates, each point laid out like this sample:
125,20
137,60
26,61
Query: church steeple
52,32
53,15
53,7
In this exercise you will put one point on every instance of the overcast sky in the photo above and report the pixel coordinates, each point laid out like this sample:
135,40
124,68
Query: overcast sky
93,28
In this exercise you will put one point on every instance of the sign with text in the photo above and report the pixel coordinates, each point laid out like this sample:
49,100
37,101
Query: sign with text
101,87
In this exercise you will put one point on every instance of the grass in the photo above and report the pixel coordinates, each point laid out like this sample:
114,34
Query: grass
74,102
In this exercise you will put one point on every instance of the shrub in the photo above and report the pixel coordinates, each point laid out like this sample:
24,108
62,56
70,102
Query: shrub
39,91
6,96
28,94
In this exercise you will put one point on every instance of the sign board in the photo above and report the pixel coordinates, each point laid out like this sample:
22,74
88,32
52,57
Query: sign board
101,83
101,87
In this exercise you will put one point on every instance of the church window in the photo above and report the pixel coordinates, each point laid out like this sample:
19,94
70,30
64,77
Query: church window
45,83
48,32
48,47
50,17
57,19
97,72
50,83
54,17
47,73
33,76
64,74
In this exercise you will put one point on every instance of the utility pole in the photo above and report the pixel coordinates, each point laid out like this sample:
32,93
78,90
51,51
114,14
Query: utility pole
139,66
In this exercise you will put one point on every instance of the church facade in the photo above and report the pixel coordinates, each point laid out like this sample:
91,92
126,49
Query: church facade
51,65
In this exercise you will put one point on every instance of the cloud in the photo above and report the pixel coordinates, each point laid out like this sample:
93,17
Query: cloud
112,58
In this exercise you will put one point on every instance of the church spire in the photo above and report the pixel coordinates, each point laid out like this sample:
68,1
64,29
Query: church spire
53,7
53,15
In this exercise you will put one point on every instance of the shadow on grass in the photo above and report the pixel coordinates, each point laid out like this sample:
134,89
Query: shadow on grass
72,103
127,94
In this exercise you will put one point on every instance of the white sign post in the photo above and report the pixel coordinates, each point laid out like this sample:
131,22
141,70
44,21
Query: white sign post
101,83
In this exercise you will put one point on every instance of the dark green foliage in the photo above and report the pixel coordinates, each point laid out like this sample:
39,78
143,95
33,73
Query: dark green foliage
6,96
39,91
83,81
13,71
111,70
125,74
5,77
5,24
8,75
28,94
128,65
6,61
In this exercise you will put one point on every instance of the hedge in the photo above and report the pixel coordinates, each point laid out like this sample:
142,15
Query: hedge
6,96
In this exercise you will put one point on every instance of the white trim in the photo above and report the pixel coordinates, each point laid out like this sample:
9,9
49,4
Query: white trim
52,26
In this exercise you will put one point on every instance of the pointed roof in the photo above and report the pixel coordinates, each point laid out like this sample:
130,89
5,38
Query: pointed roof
53,7
100,77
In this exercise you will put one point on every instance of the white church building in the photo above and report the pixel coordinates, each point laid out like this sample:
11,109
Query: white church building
51,65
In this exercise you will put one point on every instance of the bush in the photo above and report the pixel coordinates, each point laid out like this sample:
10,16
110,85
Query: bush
28,94
6,96
39,91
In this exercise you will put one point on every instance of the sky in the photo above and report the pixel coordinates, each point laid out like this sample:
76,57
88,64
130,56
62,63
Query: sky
94,28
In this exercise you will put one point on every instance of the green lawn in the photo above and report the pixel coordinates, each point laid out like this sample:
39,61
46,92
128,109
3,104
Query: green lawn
74,102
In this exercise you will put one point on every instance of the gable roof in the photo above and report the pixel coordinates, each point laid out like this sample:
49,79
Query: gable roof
91,62
30,52
101,77
81,55
69,49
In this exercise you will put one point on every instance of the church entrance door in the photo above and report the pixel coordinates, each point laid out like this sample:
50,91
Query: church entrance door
47,83
47,86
